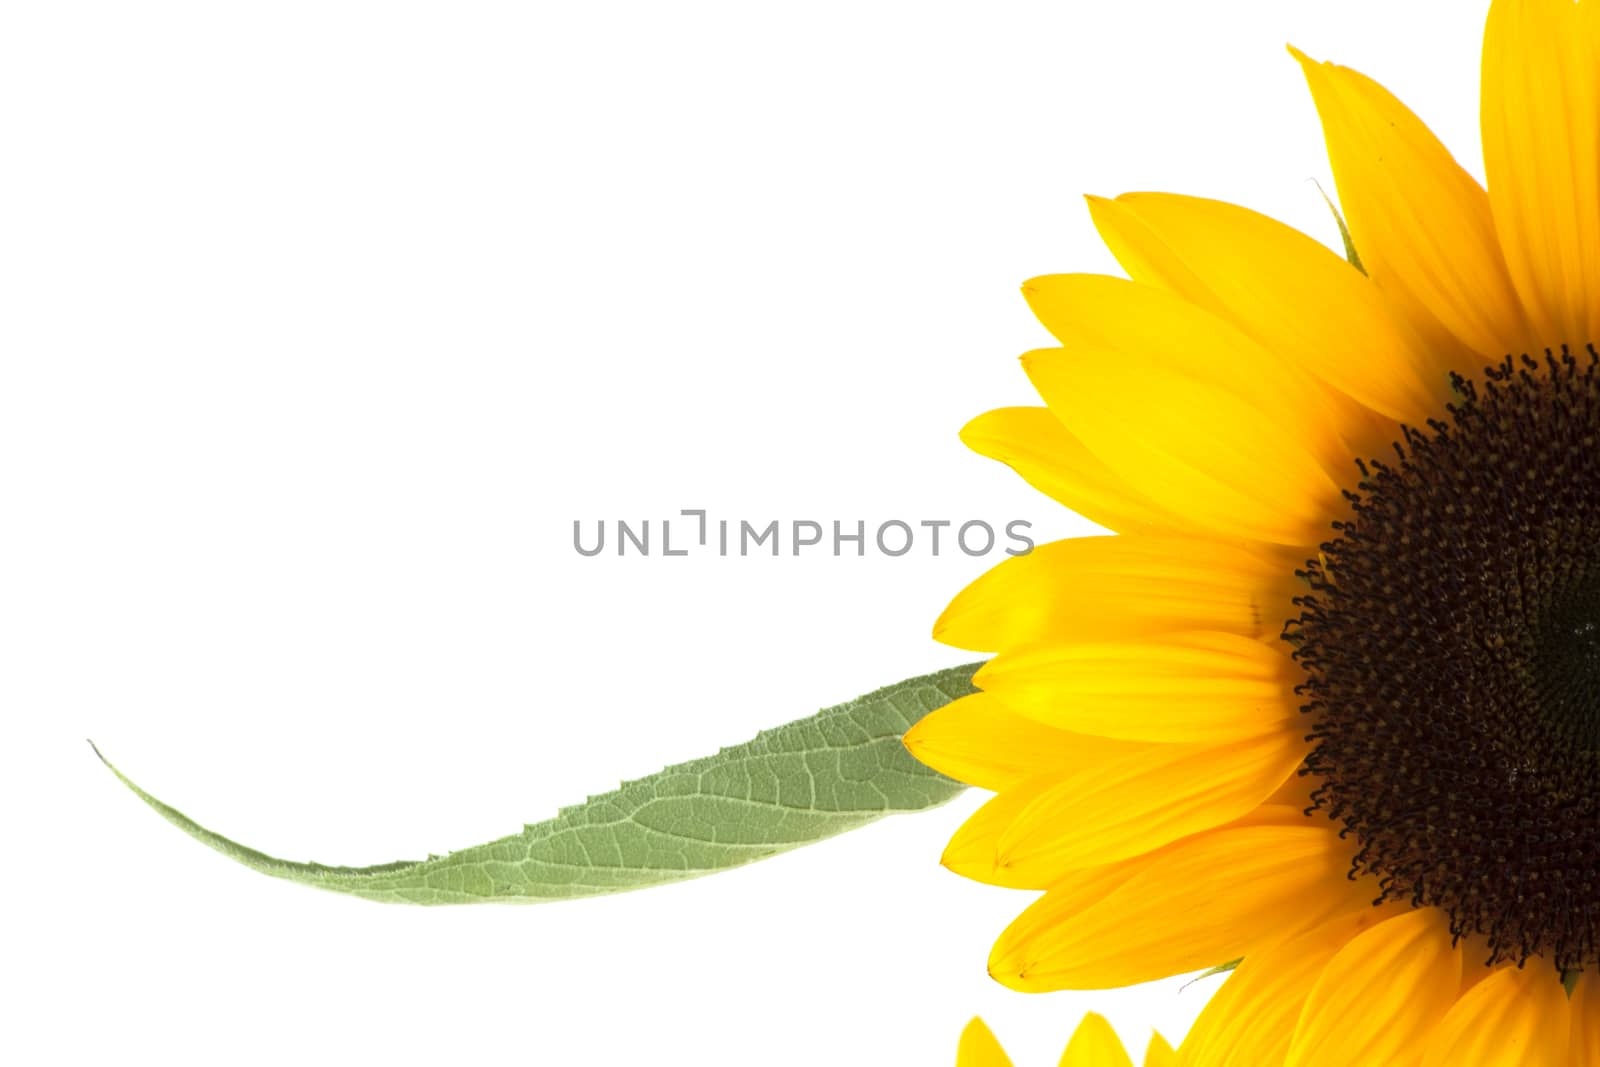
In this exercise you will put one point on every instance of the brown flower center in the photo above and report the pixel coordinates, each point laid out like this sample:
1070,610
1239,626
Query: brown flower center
1451,644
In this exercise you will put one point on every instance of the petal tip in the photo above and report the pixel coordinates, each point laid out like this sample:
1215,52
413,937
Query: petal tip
975,431
1011,976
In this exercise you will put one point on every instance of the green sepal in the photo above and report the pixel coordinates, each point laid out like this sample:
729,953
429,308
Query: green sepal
1350,252
1221,968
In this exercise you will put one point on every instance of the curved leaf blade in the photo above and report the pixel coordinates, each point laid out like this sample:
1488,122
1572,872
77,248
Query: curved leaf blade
790,786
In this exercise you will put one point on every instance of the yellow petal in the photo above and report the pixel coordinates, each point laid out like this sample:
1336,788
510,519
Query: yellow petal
979,1048
973,851
1380,995
1295,792
1215,896
1154,795
1420,223
1584,1048
1096,316
1105,588
1251,1019
1159,1053
1034,443
1095,1044
1286,291
979,741
1516,1017
1541,151
1201,686
1227,463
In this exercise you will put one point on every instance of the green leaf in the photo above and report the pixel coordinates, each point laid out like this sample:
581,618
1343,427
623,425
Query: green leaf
810,779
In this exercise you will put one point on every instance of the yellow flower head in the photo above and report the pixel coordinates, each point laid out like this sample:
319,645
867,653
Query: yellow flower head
1094,1044
1330,703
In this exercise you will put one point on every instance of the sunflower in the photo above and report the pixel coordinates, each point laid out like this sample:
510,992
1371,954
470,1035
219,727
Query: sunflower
1329,703
1093,1044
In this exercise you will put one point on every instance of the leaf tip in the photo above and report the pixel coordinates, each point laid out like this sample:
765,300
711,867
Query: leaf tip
112,767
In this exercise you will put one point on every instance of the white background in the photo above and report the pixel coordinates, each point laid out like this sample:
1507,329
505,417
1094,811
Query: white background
323,321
